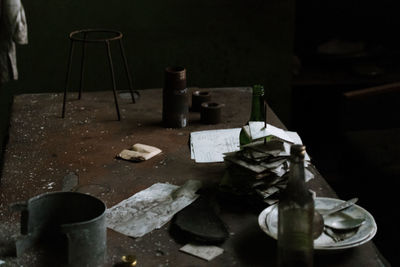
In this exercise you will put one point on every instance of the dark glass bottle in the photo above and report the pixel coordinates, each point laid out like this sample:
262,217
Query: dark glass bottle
257,112
295,216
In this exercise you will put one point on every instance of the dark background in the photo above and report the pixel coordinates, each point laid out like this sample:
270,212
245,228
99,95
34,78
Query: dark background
242,43
353,140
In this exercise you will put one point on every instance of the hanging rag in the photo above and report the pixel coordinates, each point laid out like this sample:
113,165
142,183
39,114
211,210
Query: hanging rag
13,30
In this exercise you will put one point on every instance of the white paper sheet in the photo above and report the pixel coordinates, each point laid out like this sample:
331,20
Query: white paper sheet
202,251
151,208
209,146
257,130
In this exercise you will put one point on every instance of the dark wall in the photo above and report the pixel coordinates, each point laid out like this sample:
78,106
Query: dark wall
221,43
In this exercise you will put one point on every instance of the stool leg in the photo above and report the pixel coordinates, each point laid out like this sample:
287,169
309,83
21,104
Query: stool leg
71,50
113,78
82,65
127,70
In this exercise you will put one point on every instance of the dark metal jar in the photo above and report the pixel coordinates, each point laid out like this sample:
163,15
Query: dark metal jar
175,98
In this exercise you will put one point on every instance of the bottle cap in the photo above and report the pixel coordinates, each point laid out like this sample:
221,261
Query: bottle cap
298,150
129,260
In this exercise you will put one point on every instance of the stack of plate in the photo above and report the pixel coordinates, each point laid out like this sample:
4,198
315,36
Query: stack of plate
268,221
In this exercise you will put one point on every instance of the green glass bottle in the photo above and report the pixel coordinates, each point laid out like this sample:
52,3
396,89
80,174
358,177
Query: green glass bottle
295,216
257,112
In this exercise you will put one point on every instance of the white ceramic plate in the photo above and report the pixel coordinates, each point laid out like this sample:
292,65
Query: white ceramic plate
268,221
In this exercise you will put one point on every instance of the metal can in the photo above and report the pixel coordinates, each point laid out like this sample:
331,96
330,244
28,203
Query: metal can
175,98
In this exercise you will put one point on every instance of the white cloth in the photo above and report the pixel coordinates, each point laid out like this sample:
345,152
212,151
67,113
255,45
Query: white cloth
13,30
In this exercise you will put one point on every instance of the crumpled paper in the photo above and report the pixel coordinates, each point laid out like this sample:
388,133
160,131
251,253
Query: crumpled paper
139,152
151,208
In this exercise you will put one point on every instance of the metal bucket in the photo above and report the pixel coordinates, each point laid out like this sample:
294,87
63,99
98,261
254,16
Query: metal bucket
71,223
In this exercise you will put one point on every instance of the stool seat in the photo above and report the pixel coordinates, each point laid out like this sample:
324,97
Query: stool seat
104,36
110,35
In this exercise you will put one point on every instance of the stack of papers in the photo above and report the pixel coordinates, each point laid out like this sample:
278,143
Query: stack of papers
259,167
262,167
211,145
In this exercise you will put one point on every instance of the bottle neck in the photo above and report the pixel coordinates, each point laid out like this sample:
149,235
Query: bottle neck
296,184
257,104
297,170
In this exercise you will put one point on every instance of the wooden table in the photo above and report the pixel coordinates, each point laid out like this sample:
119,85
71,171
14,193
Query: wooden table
43,148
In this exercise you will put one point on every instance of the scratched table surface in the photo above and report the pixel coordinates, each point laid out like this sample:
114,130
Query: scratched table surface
43,148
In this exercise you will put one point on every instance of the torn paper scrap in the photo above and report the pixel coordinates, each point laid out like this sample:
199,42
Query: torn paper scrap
204,252
151,208
209,146
139,152
258,130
